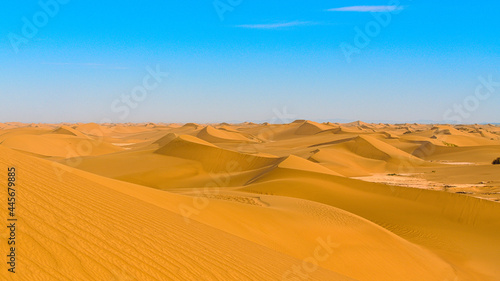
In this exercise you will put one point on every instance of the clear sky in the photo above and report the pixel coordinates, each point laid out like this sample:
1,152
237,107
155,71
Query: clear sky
239,60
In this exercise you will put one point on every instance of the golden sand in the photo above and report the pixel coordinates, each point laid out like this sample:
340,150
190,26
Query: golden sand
298,201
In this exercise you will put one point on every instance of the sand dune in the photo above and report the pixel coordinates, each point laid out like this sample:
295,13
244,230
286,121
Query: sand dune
349,130
358,124
165,139
446,130
456,227
211,156
296,163
369,148
214,135
66,130
93,129
79,229
347,163
311,128
59,145
192,125
255,201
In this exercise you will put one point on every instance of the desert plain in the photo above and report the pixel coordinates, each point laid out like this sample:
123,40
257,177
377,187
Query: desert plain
297,201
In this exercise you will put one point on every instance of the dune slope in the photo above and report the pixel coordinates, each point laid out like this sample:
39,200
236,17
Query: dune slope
77,229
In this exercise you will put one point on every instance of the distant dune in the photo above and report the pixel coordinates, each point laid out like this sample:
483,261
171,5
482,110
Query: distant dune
214,135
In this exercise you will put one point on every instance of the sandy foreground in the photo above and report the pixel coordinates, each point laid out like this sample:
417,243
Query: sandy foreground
299,201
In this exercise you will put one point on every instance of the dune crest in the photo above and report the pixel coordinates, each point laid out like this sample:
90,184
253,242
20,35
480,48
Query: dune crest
311,128
214,135
66,130
211,156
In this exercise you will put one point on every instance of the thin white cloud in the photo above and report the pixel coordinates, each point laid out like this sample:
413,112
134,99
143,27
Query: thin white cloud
71,63
365,9
86,64
275,25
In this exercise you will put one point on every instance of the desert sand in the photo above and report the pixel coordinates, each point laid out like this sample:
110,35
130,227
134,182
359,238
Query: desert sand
298,201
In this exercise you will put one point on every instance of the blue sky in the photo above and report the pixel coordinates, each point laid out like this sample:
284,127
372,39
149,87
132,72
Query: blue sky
233,60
